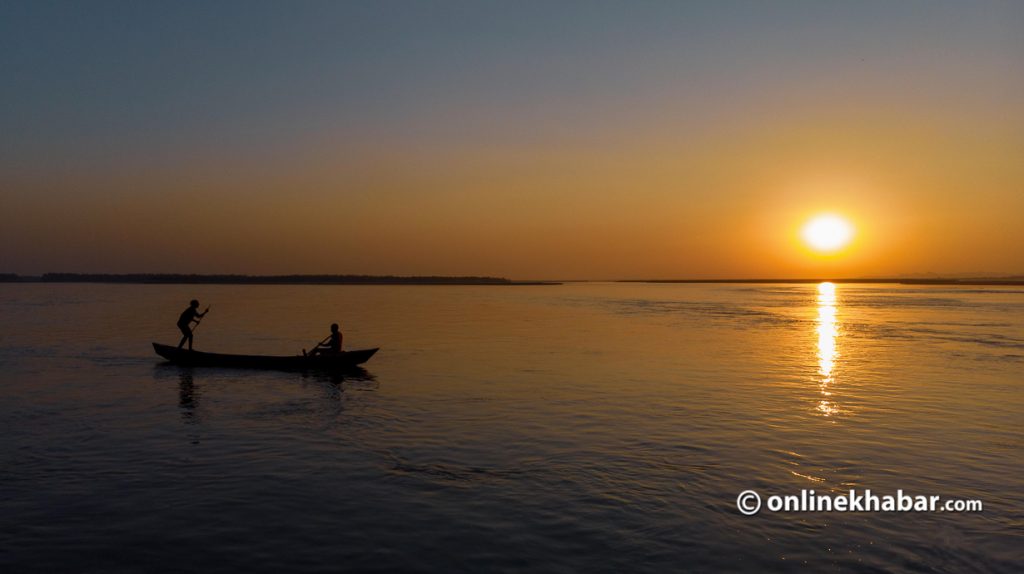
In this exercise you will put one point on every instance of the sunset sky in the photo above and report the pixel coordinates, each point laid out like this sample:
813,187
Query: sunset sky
532,140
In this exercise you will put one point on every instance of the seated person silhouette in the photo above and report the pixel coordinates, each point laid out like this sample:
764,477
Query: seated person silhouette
330,345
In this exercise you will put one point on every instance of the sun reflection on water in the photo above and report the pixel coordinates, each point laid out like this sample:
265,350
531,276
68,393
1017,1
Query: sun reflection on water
828,330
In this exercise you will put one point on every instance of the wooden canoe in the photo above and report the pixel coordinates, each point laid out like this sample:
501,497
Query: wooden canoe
331,361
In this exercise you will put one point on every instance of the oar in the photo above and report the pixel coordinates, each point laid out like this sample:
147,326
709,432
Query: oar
200,321
317,345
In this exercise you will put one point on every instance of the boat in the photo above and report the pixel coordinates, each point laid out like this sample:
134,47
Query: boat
323,362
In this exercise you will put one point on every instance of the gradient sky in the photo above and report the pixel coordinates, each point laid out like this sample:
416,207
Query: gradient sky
522,139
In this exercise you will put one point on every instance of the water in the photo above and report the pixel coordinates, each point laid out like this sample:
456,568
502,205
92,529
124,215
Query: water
573,428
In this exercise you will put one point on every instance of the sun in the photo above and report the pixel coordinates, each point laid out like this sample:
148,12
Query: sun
827,233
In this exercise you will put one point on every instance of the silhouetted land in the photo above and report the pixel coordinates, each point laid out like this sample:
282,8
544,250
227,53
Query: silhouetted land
168,278
1015,280
173,278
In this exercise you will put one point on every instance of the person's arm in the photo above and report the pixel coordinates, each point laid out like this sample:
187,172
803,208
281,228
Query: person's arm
197,316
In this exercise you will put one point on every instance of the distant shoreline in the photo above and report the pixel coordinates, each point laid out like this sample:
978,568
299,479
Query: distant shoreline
198,279
201,279
897,281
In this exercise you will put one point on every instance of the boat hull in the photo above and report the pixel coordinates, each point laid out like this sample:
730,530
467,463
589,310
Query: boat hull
338,361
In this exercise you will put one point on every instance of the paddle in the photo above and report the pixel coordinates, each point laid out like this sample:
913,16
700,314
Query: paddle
201,319
325,339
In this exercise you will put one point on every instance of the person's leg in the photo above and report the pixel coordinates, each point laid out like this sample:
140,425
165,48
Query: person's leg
186,335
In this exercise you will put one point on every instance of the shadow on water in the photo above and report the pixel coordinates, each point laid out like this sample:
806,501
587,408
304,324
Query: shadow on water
192,380
188,400
187,396
354,376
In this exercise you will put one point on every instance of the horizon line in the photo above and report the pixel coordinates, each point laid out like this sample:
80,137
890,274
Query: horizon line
366,279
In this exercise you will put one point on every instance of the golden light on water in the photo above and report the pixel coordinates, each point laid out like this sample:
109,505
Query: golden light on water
828,331
827,233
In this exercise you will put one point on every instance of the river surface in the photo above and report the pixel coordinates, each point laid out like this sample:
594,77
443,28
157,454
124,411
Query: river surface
590,427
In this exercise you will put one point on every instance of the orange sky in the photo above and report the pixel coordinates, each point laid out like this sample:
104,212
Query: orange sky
638,154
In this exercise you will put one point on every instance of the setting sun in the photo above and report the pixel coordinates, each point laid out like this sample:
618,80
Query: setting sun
827,233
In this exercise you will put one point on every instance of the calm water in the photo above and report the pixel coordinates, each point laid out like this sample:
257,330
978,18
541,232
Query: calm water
573,428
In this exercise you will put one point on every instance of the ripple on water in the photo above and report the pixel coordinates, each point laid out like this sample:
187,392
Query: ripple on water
579,428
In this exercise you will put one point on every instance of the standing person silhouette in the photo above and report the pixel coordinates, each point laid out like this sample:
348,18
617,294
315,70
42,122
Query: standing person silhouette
185,322
329,346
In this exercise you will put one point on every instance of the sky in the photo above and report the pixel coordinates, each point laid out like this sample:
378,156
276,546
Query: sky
531,140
